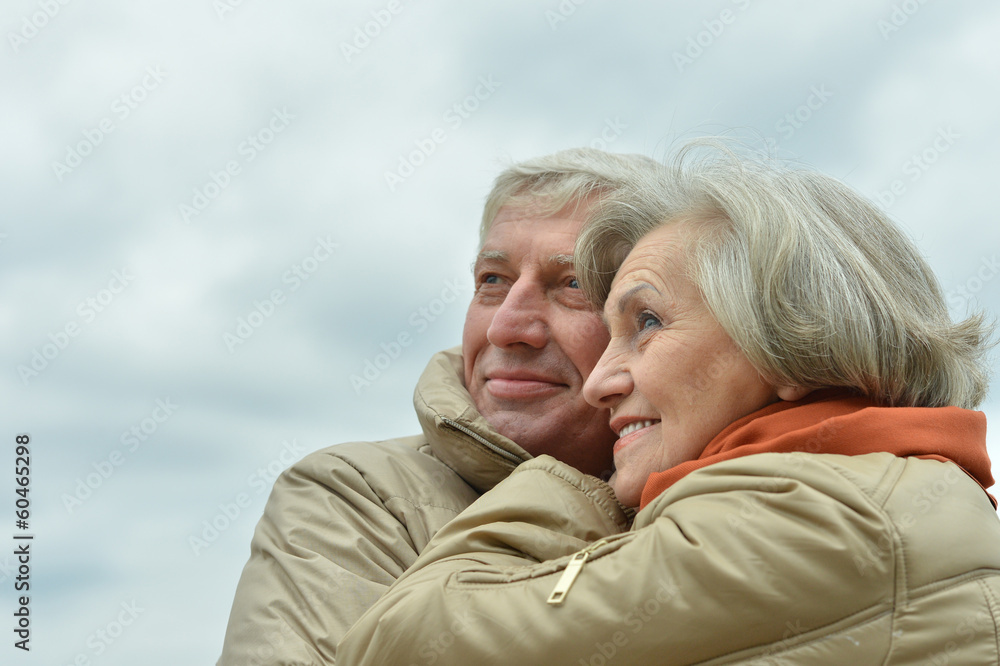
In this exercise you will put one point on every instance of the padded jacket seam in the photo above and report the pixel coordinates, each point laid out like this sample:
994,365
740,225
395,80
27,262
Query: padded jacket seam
991,604
899,556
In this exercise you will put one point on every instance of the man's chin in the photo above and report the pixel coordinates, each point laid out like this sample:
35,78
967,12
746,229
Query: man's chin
530,428
551,411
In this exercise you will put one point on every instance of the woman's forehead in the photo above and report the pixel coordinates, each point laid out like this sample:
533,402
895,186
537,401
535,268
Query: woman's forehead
662,252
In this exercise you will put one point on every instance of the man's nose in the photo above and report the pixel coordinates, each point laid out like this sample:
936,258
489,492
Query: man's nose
522,318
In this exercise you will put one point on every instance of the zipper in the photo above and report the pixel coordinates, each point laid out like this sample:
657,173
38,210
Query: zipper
573,569
575,565
485,442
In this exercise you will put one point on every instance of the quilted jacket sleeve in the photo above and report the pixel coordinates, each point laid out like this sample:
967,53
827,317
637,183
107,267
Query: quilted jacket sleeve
738,560
339,527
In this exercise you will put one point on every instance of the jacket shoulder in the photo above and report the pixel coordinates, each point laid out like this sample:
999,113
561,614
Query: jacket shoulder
340,526
921,530
367,455
929,506
401,474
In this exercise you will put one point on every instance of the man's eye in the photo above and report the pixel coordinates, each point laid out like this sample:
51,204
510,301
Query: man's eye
491,279
647,320
574,284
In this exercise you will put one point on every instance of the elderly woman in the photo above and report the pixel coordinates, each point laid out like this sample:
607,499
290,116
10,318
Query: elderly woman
793,409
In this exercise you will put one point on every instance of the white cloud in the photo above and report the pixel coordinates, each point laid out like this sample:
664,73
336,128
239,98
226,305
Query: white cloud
325,174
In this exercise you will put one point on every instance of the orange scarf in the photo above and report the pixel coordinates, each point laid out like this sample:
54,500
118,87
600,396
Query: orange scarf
833,422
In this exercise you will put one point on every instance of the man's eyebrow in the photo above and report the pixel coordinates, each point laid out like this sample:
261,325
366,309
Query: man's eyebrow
492,255
500,255
488,255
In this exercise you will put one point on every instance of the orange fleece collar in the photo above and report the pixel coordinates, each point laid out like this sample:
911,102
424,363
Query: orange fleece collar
829,422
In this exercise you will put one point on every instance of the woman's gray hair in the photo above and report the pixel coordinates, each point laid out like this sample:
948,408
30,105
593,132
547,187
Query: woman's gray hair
814,283
549,184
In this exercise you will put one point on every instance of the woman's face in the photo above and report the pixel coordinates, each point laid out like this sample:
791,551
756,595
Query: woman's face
671,376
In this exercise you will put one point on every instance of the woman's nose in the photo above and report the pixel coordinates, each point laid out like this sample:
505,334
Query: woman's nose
610,381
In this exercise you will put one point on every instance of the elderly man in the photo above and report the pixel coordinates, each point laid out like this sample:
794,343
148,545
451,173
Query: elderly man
345,522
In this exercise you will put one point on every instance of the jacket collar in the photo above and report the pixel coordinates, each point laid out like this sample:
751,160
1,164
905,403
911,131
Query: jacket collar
835,421
458,434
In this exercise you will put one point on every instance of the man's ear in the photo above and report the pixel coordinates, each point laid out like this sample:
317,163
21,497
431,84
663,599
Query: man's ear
792,393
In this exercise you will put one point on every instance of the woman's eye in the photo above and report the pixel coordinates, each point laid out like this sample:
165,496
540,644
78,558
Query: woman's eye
574,284
647,320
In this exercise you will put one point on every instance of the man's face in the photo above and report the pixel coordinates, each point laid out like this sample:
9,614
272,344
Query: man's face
531,339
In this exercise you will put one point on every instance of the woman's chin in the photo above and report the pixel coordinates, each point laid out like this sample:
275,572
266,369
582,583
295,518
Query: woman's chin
627,492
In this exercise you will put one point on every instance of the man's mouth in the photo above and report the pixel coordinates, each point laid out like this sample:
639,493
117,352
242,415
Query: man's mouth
520,385
521,376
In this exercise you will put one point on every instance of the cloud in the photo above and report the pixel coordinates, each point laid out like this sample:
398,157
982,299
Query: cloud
220,81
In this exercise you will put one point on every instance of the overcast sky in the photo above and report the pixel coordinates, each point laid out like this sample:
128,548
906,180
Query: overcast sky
170,169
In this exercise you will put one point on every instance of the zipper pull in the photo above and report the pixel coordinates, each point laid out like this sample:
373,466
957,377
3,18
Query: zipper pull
573,569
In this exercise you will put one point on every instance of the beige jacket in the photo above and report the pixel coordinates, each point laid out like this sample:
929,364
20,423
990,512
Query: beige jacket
776,558
345,522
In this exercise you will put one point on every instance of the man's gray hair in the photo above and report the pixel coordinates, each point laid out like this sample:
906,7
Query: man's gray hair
814,283
547,185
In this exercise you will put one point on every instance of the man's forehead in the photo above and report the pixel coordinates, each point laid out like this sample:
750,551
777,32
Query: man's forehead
521,230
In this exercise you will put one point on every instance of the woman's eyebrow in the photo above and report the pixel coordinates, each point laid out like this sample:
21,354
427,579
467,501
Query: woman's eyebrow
624,299
628,295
